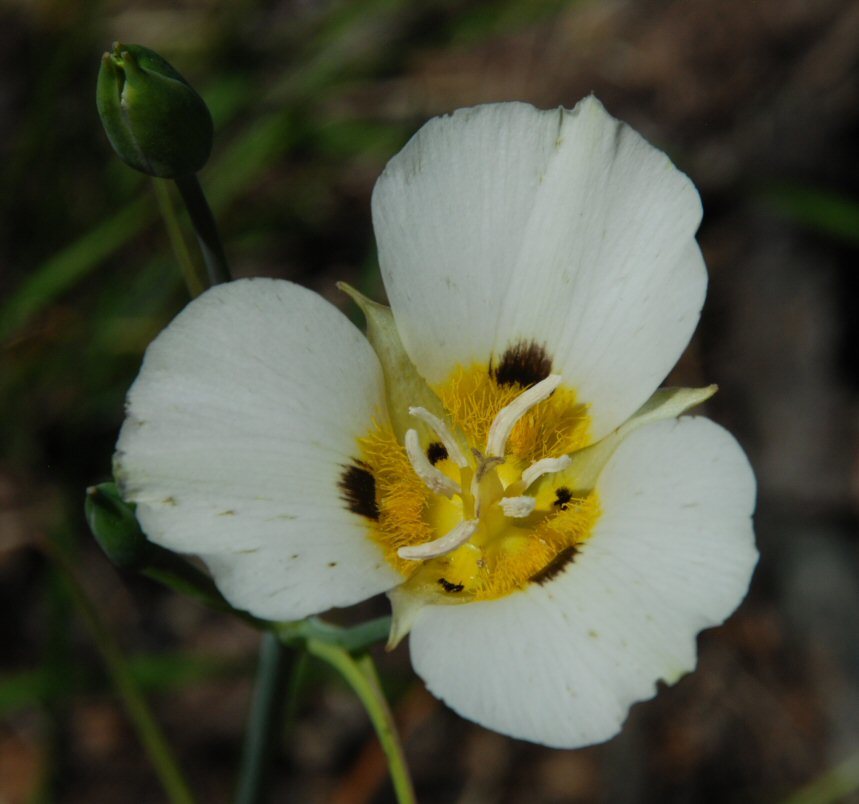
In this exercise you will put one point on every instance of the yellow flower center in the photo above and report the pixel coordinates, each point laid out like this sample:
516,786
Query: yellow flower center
483,508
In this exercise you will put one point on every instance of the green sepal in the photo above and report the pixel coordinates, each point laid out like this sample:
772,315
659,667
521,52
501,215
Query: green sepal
404,387
154,119
666,403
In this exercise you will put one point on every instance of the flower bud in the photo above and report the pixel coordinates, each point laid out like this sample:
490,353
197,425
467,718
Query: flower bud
154,119
115,527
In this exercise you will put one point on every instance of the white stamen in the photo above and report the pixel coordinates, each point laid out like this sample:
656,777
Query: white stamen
440,547
517,507
545,466
443,433
437,480
507,417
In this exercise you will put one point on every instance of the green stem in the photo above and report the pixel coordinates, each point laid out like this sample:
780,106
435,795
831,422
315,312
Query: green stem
353,638
207,230
195,280
148,730
360,673
264,720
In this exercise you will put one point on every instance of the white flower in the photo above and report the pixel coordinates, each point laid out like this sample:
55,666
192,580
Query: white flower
550,533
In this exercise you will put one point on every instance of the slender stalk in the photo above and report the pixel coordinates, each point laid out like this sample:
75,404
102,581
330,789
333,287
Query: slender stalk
360,673
195,280
355,638
264,720
207,230
136,707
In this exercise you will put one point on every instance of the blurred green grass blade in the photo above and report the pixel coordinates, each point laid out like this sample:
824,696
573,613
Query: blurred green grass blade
67,267
496,18
22,690
246,158
339,48
237,167
154,673
157,673
823,211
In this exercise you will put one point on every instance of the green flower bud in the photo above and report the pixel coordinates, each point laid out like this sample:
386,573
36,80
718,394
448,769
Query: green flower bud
115,527
154,119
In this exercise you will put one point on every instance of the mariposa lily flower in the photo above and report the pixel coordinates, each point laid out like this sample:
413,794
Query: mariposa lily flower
496,456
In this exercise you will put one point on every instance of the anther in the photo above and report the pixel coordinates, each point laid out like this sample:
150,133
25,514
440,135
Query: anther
443,433
507,417
545,466
440,547
517,507
437,480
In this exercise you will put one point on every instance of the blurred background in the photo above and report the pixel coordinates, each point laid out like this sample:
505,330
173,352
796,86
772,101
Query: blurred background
757,101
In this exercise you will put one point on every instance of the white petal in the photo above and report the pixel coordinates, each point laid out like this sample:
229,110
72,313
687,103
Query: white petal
502,223
240,425
672,553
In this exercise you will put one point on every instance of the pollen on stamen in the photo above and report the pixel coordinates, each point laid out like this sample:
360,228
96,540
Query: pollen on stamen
557,426
518,507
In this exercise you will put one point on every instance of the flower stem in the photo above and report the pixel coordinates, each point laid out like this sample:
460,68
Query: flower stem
355,638
136,707
207,230
195,280
360,673
264,720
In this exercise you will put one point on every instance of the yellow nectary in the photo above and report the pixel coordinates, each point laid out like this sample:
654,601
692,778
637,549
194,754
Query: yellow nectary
506,550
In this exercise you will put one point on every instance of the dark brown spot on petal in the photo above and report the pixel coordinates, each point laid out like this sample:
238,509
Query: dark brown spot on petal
525,363
562,497
555,566
450,587
436,452
358,487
